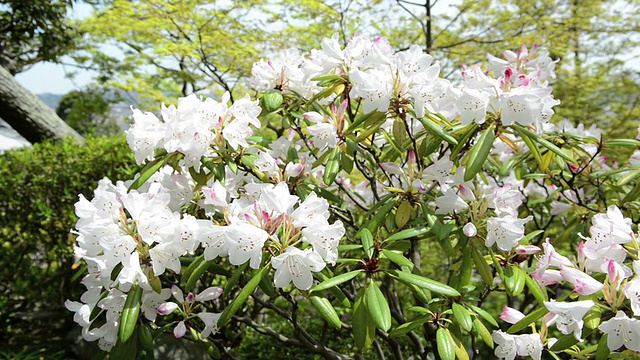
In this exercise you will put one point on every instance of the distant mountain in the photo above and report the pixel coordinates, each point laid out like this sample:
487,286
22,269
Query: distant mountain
52,100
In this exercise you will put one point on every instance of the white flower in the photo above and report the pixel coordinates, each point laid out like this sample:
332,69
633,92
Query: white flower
210,321
505,231
151,301
296,265
632,292
506,345
215,195
568,316
450,203
325,239
622,330
245,242
611,227
311,212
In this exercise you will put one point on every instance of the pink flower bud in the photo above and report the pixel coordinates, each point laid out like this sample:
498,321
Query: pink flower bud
470,230
210,293
527,249
412,158
293,170
167,308
511,315
190,298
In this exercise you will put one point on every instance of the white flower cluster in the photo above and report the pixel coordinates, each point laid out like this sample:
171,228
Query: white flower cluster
194,128
130,237
519,92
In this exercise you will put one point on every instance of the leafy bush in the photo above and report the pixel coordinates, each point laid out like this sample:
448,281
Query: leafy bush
38,188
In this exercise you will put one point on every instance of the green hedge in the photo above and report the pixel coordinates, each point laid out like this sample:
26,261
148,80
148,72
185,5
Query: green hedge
38,188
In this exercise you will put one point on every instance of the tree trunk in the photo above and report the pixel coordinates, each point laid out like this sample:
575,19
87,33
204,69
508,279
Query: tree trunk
28,115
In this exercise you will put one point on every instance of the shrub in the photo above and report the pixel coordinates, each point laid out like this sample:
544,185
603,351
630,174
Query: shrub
38,188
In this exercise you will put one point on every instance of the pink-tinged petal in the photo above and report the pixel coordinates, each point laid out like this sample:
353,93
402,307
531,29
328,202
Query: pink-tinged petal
511,315
180,330
177,293
583,283
392,168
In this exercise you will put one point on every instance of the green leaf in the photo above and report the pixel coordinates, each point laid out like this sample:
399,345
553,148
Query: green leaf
125,350
593,318
623,142
514,279
535,290
324,307
470,131
332,168
424,283
528,320
145,338
549,145
567,341
242,296
378,307
462,316
396,258
234,279
464,277
446,347
151,168
340,296
336,280
410,326
364,329
130,313
531,235
479,153
409,233
197,274
186,273
484,314
459,349
437,130
403,214
367,241
630,176
533,148
483,332
482,267
370,118
603,349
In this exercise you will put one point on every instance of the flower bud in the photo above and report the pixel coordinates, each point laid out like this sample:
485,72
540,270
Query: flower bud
167,308
511,315
470,230
210,293
271,100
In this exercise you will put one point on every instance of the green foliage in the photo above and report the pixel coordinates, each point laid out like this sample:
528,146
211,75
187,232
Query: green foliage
88,111
39,187
32,31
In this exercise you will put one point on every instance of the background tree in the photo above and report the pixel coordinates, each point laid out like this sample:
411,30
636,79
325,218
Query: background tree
89,111
32,31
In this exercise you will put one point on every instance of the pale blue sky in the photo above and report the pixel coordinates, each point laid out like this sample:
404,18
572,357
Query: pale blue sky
51,78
